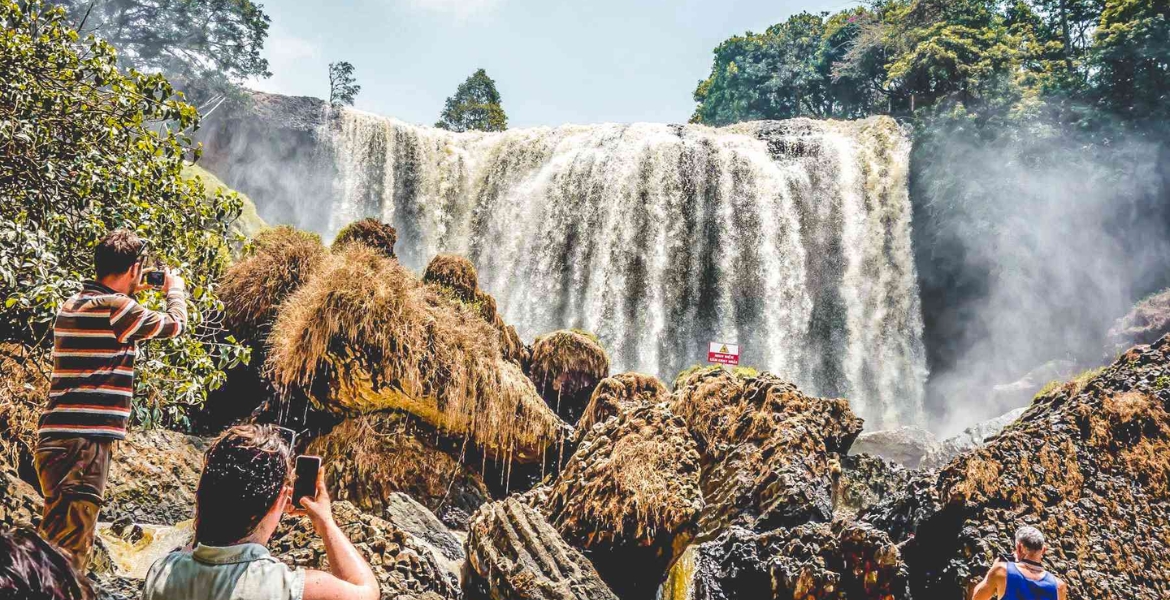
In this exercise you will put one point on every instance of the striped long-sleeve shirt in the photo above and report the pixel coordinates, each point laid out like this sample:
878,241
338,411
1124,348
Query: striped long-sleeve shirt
95,342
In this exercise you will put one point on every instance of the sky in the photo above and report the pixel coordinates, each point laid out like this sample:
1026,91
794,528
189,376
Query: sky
554,61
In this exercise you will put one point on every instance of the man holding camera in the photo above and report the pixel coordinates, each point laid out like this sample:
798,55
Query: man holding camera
95,342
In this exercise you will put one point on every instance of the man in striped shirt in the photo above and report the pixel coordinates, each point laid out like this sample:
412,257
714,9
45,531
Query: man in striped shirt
95,342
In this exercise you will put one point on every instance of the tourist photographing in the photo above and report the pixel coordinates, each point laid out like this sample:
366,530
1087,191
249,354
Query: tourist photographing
1022,577
95,342
31,569
244,490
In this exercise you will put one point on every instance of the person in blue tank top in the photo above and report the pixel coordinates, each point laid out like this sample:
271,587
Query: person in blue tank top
1022,577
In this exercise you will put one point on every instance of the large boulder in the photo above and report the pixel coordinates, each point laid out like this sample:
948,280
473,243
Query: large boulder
364,335
971,437
906,446
1089,464
369,458
630,496
513,553
816,561
769,452
406,568
566,367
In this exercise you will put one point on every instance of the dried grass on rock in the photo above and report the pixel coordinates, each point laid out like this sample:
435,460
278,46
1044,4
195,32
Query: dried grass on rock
368,232
566,367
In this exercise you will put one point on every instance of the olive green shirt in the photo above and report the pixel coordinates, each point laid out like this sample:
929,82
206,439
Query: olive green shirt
243,572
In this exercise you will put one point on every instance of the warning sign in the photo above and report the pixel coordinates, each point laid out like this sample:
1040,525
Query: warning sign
723,354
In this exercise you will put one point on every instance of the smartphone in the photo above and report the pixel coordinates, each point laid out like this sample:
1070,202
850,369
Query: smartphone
305,483
155,278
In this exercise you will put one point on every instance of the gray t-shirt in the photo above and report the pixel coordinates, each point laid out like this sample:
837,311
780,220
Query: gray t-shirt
243,572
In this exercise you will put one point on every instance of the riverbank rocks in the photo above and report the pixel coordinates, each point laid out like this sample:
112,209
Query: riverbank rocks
618,394
816,561
630,496
566,367
513,553
369,458
406,568
364,335
153,476
370,232
770,453
1088,464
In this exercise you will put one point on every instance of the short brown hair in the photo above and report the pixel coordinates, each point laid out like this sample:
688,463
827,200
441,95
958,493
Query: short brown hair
244,471
117,252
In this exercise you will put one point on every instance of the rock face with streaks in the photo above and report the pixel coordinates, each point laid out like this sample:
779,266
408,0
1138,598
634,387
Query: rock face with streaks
566,366
630,496
1089,464
513,553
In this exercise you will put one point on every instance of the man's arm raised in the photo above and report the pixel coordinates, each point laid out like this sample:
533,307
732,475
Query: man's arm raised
350,577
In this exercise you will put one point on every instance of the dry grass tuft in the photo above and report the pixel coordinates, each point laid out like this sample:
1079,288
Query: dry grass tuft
279,261
364,335
24,388
566,367
455,272
369,232
618,394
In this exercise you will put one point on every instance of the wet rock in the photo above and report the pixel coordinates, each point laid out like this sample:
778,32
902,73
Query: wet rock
368,459
864,481
630,496
566,367
768,451
617,394
404,513
906,446
513,553
403,564
842,561
1088,464
1148,321
900,512
153,477
971,437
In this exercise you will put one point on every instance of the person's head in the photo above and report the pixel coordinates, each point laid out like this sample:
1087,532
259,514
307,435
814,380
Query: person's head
244,487
117,260
32,569
1029,543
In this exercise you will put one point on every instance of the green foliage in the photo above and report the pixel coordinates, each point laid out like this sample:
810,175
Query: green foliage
249,223
474,107
1132,59
205,46
343,87
85,148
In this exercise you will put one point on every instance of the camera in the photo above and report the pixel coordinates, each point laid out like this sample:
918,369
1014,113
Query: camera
155,278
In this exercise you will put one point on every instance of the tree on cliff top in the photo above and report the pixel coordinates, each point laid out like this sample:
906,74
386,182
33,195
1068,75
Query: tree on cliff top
85,149
204,46
343,87
474,107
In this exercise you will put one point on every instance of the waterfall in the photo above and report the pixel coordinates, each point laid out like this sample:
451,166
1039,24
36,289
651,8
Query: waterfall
789,238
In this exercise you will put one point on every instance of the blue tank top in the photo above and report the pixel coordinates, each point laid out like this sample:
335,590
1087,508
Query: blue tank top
1020,587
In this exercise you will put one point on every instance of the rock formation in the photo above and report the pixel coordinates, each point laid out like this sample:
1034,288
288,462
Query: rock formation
369,458
816,561
1089,464
513,553
866,480
364,335
630,496
370,232
769,451
1148,321
405,566
618,394
566,367
454,272
153,477
906,446
971,437
456,278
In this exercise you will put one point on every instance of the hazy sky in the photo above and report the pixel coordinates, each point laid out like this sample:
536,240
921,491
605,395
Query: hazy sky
554,61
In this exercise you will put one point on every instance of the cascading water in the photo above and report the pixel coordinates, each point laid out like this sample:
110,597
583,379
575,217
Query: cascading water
790,238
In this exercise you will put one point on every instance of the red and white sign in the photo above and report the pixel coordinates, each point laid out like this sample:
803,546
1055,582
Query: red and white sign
724,354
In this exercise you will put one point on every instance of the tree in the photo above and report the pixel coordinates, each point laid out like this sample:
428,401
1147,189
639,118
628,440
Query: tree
474,107
343,88
85,148
204,46
1132,60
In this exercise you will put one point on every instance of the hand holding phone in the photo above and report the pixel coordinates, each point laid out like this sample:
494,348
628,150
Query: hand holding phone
308,472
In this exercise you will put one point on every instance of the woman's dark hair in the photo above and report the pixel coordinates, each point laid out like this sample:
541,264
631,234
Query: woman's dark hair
244,471
32,569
